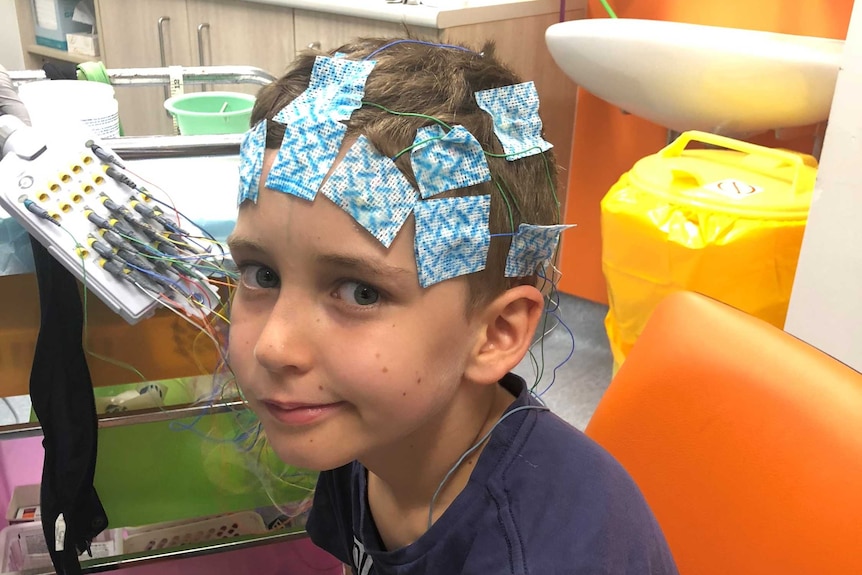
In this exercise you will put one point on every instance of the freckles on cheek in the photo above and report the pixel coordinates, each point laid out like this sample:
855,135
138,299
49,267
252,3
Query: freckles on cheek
381,365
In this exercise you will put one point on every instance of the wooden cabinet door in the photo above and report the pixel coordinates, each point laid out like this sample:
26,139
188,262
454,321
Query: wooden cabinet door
324,31
138,34
227,32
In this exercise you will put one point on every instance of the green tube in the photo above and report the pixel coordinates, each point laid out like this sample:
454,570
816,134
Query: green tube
608,8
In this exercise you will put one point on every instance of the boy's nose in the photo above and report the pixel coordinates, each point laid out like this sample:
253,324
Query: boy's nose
285,343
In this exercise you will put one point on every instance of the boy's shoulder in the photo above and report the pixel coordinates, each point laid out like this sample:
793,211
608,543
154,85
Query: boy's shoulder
542,458
558,502
543,498
541,448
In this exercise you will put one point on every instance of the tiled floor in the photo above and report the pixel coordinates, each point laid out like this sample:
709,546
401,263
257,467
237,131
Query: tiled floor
577,388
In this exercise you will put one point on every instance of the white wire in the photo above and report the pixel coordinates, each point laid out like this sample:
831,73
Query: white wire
467,453
553,304
185,317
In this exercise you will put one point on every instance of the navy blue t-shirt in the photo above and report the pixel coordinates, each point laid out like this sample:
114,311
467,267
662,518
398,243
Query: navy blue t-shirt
543,499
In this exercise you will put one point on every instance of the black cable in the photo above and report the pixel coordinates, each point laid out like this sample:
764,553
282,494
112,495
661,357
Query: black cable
103,155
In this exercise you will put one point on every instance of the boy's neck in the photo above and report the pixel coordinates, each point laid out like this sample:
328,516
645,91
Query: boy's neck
402,482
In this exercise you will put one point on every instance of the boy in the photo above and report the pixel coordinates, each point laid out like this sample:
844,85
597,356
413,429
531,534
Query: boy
387,288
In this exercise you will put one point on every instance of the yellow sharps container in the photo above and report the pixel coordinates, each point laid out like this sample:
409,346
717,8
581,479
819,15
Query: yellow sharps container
727,223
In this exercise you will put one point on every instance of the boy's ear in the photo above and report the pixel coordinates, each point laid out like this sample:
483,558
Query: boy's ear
506,329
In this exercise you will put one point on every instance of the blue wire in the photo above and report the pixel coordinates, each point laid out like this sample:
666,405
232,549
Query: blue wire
206,233
178,426
555,301
137,242
208,269
409,41
177,285
203,257
212,268
568,357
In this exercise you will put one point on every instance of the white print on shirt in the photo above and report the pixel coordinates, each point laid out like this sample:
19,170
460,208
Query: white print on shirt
362,562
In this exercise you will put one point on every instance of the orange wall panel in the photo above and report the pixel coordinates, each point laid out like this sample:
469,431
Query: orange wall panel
607,143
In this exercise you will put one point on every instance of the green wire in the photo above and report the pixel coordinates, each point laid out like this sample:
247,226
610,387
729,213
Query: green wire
541,371
512,196
117,363
411,115
179,263
182,263
214,268
554,290
547,173
416,145
537,364
408,114
508,206
448,127
608,8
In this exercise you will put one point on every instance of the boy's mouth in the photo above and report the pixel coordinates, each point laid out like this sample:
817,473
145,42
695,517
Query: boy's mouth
297,414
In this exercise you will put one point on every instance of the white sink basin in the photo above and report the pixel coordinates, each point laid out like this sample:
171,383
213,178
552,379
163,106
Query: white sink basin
691,77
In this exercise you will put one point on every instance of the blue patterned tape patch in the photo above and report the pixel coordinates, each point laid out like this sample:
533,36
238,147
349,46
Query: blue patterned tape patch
532,247
452,237
368,186
447,161
305,156
251,162
313,132
515,112
335,90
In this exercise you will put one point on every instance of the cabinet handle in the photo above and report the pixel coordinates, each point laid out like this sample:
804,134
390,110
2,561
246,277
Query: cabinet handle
162,52
201,28
314,46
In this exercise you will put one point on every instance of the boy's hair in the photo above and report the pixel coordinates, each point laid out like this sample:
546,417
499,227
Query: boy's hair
436,81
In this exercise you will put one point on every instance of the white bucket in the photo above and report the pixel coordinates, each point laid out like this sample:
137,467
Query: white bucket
55,102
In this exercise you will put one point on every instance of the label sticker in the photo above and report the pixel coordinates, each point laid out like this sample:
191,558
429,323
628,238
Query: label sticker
59,533
30,513
733,188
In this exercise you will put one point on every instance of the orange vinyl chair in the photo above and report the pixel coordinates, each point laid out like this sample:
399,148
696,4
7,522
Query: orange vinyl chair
746,442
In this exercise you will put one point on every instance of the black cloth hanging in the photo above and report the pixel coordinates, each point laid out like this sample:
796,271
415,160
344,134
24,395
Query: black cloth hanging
62,396
60,70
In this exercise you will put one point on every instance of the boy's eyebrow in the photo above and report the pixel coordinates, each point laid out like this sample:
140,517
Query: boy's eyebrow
361,264
243,243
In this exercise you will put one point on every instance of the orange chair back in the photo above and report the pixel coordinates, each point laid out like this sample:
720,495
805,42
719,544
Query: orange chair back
746,442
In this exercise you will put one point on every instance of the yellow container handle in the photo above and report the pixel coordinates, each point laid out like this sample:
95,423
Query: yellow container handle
675,149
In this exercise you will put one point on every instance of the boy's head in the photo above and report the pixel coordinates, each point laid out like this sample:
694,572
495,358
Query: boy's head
349,335
437,82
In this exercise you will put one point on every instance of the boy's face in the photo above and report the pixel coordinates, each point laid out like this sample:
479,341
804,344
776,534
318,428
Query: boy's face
335,345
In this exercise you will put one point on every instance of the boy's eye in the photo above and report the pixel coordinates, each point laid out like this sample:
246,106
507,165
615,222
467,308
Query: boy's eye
258,277
357,293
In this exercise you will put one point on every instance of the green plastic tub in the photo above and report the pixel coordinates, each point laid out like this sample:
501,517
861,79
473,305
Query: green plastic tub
203,113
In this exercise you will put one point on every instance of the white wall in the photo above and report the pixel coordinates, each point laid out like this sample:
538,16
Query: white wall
10,40
826,302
